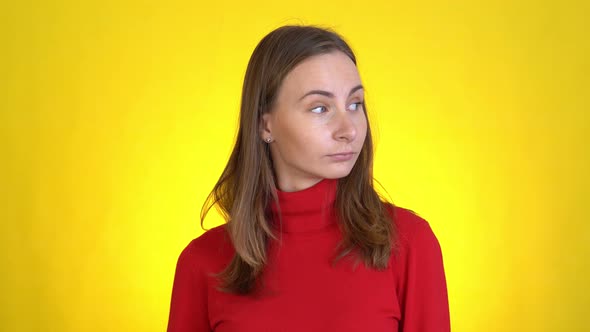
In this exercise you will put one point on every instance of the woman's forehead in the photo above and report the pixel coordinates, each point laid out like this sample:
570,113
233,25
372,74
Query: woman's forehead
333,72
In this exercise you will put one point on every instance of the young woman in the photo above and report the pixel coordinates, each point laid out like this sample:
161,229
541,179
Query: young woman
308,245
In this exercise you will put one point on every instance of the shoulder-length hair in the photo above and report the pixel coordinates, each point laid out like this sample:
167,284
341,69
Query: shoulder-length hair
247,185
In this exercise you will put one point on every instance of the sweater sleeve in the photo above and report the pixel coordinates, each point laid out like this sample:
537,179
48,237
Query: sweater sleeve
422,289
188,306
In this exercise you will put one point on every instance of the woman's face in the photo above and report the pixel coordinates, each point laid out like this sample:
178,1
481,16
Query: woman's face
317,124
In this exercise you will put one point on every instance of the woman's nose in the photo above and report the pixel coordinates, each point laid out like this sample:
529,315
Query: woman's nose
345,129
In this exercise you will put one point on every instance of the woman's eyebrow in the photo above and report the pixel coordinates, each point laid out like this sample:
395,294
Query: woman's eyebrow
330,94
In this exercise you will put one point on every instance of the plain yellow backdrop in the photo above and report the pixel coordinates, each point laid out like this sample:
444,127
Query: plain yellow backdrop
117,117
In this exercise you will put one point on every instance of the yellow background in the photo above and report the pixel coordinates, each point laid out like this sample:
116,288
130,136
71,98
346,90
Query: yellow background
118,116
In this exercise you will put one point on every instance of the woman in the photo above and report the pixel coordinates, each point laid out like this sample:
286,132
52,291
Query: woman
301,211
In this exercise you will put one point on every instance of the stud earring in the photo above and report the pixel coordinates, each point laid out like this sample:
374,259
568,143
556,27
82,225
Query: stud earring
268,140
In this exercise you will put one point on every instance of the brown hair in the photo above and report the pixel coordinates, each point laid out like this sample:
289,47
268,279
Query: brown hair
247,185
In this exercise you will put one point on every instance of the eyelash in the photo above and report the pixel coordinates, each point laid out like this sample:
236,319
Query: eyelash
359,104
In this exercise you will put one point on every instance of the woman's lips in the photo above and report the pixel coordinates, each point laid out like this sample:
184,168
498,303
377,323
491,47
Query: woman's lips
341,156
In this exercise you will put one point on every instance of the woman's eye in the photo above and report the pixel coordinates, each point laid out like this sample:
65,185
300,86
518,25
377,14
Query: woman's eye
356,106
319,109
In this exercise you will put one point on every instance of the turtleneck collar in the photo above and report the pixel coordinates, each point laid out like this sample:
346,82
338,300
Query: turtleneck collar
306,210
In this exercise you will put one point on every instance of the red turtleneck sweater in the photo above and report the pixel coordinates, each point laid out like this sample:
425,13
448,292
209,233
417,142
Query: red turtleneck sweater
303,292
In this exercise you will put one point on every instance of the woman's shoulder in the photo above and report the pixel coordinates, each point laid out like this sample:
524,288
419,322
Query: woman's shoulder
409,225
404,217
213,237
211,248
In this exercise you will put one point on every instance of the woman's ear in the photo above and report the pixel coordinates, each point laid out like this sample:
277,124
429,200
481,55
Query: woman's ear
265,125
